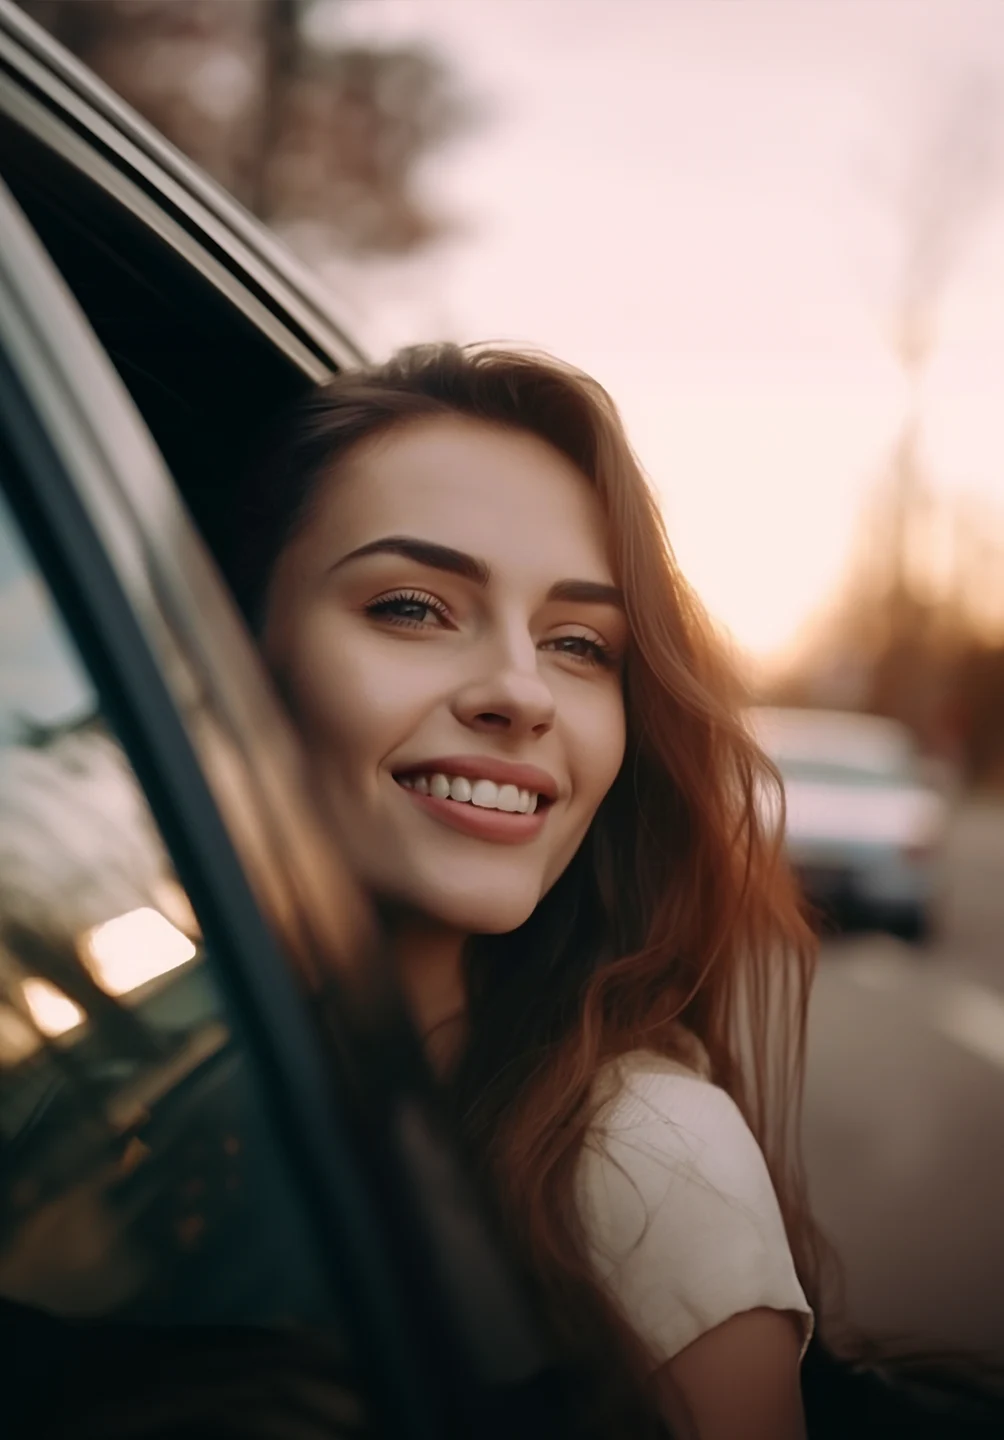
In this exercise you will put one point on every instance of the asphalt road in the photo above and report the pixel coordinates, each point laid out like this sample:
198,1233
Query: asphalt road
904,1119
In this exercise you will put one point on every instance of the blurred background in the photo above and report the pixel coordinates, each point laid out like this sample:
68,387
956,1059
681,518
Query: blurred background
775,231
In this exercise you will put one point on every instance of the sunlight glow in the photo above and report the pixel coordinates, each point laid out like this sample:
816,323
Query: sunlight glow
53,1012
127,952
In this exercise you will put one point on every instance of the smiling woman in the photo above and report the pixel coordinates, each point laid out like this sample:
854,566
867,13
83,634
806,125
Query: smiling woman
532,753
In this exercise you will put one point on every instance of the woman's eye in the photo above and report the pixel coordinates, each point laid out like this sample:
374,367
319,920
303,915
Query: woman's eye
583,647
411,610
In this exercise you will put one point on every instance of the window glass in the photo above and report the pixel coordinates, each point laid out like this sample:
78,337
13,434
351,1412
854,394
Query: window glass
138,1178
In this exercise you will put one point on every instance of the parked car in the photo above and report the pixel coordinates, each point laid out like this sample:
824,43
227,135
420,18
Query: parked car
864,826
228,1201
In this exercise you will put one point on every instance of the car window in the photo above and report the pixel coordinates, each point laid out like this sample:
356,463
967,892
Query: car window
138,1177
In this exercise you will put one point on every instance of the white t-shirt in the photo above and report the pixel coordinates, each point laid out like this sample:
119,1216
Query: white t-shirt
683,1225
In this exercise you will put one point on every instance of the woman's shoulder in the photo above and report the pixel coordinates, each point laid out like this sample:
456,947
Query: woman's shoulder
666,1123
680,1213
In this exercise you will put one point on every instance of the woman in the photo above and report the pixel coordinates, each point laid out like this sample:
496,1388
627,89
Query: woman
533,748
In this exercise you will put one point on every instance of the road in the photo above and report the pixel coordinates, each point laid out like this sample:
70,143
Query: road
904,1118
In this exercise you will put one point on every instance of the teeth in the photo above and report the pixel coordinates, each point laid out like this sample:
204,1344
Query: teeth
485,794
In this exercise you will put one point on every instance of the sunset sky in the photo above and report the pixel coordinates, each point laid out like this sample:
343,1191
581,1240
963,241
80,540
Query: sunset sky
695,200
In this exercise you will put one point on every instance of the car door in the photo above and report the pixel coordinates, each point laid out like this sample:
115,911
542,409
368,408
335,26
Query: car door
203,1060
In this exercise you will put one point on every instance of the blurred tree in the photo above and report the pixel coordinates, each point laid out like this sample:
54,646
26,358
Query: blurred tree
943,196
979,711
321,140
918,642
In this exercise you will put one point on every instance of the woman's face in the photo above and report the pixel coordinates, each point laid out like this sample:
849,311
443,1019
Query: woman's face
448,633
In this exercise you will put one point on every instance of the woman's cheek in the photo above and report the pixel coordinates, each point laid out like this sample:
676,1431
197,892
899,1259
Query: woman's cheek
332,686
603,753
370,692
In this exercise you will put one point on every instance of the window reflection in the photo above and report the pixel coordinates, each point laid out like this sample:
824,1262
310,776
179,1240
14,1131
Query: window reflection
138,1176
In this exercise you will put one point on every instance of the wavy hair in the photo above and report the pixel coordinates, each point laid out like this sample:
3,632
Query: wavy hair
678,920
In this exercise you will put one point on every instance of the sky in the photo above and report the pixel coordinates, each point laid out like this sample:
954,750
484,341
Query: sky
697,202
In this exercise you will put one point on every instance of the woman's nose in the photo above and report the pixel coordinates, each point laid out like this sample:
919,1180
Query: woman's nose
513,698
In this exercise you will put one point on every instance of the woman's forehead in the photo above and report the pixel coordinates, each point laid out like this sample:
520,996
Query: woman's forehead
502,495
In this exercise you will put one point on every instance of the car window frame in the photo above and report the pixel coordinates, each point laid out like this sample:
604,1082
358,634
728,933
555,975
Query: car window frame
62,104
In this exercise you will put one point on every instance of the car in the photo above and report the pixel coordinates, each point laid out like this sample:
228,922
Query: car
864,825
230,1202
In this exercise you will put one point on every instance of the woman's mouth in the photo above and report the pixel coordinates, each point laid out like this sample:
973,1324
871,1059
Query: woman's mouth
484,794
478,806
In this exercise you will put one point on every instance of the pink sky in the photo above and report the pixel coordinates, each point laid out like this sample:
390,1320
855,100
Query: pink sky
685,197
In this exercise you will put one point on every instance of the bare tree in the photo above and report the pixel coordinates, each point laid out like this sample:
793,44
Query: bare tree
945,194
904,639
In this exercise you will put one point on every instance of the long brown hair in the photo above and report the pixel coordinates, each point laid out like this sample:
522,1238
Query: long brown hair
678,918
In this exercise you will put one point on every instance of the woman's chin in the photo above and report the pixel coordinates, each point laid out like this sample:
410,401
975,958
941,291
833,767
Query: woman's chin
473,909
477,918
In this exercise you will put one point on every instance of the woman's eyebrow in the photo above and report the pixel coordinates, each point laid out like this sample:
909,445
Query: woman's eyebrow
469,567
424,552
587,592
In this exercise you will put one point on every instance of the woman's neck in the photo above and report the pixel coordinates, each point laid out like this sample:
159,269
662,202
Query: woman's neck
430,968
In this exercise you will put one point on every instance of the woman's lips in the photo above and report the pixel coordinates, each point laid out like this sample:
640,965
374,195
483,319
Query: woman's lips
499,826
